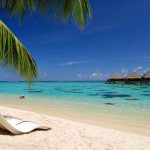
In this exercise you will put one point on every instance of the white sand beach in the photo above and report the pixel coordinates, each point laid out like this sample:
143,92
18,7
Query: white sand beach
87,86
68,135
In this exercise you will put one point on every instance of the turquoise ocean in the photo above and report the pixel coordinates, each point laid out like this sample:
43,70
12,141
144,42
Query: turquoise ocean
92,99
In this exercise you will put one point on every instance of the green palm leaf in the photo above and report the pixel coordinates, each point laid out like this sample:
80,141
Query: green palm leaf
15,55
12,52
76,10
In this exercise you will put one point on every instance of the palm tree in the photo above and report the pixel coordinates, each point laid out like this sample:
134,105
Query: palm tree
12,51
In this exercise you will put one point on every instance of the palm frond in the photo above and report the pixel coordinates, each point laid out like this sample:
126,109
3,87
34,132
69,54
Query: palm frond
18,8
15,55
77,10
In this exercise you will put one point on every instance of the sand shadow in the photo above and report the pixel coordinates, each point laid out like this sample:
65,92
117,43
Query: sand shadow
6,132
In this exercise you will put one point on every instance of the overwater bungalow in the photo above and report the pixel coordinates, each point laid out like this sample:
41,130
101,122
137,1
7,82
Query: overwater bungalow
116,78
146,77
133,77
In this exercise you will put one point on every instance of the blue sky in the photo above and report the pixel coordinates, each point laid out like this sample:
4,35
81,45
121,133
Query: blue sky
117,39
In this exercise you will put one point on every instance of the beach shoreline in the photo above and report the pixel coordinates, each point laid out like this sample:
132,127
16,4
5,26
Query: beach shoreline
122,124
69,135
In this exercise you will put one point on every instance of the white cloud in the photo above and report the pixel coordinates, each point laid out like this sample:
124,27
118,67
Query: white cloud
72,63
138,68
95,75
124,70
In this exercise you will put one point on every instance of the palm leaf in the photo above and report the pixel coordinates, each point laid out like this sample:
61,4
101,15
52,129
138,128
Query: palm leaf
77,10
15,55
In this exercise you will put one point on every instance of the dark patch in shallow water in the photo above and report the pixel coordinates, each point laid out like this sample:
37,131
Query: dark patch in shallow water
30,89
146,94
35,91
76,89
144,87
115,95
59,89
146,91
101,90
108,97
76,92
109,103
94,94
131,99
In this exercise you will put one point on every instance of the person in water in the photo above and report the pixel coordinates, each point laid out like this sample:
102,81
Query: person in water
22,97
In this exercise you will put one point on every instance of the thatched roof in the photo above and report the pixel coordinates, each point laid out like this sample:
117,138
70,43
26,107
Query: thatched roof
116,76
146,75
133,75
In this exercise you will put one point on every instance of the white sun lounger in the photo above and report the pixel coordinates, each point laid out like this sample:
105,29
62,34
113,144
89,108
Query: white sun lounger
18,126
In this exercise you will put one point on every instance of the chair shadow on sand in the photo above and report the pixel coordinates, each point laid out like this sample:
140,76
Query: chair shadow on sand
6,132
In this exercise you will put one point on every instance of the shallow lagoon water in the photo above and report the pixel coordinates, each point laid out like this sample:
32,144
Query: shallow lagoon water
124,96
128,103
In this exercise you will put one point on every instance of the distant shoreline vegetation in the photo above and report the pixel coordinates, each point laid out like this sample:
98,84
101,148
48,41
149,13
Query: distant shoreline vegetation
131,78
